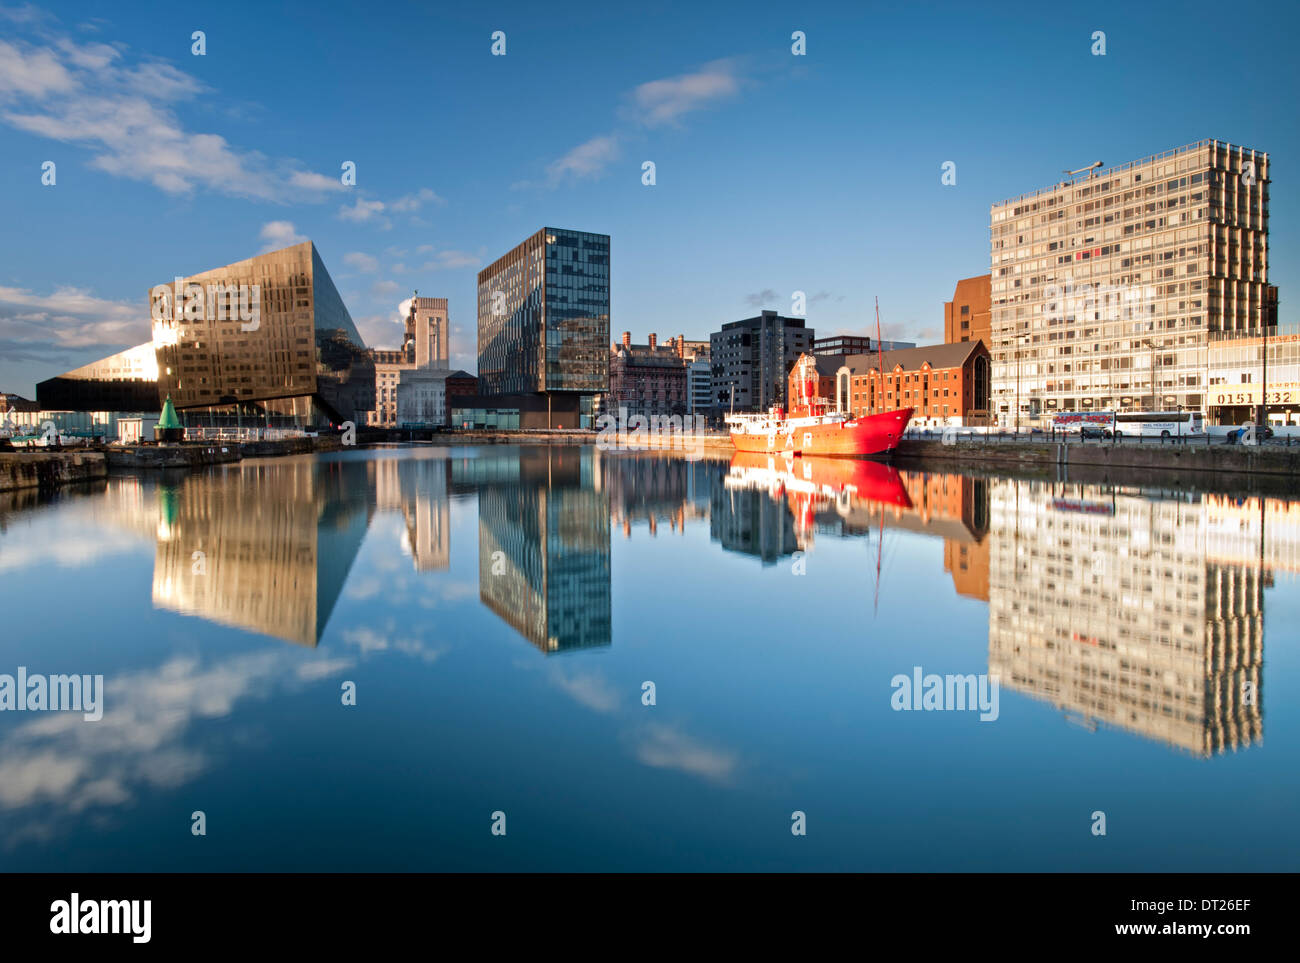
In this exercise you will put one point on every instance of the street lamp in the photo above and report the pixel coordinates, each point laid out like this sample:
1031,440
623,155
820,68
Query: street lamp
1020,339
1155,398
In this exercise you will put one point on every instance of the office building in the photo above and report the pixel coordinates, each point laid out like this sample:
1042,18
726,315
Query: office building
1239,378
752,358
1106,287
543,327
264,341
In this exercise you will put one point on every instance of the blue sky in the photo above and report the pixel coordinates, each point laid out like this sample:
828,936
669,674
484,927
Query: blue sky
774,173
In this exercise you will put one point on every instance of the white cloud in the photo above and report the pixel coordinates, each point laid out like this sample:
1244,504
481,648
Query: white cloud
278,234
56,767
665,747
361,261
125,112
70,317
589,689
589,159
656,103
361,210
661,102
413,202
35,73
450,260
313,181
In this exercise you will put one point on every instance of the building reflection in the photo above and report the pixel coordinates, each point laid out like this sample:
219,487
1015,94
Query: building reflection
1133,609
770,507
419,489
657,489
262,546
1128,607
543,544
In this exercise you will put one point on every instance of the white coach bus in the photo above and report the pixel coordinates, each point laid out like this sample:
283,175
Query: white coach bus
1132,424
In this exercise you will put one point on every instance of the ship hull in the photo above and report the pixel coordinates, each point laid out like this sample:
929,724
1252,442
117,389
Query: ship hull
871,481
873,435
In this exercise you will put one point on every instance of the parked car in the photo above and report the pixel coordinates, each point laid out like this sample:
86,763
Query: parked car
1093,431
1261,434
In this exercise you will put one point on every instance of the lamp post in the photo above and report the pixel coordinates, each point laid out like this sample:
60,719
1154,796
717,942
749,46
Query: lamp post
1020,339
1155,398
1262,416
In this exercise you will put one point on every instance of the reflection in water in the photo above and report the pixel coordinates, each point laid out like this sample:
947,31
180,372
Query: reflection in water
265,547
1107,603
543,544
1139,609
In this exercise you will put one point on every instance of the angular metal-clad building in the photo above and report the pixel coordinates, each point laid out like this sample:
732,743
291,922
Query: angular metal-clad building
265,339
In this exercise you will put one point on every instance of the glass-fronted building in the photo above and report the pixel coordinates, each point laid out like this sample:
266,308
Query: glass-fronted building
544,551
543,321
267,340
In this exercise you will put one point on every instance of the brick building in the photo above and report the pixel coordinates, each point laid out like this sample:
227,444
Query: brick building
947,384
647,379
968,315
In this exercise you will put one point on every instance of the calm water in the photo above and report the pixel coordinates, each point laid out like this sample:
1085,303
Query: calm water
499,610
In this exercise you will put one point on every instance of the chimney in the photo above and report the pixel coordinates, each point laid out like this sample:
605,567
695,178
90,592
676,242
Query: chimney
654,338
681,346
627,339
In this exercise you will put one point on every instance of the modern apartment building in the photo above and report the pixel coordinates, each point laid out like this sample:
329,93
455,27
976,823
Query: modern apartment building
1106,287
752,358
966,317
543,325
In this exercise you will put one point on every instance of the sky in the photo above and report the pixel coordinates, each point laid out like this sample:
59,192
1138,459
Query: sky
773,172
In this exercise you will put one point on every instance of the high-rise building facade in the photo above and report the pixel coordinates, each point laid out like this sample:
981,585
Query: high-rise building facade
1106,287
543,322
752,358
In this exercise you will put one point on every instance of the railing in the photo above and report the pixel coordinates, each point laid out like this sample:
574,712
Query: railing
1217,435
1119,169
205,433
